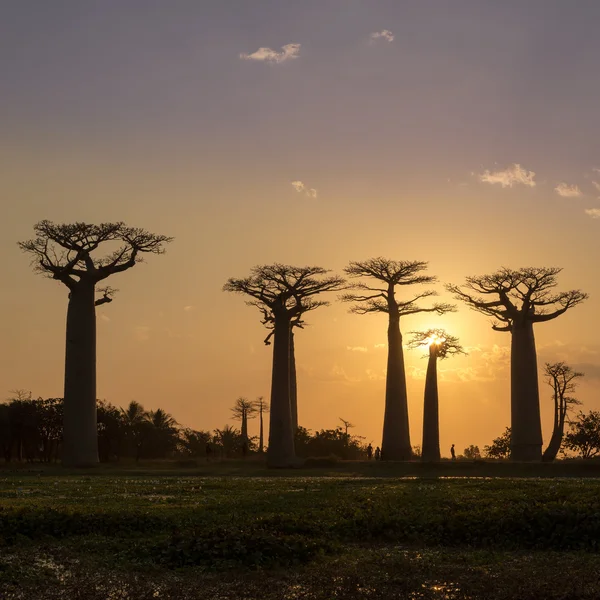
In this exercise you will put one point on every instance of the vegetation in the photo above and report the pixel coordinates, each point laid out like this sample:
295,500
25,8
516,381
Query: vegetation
584,435
194,533
516,300
380,297
65,253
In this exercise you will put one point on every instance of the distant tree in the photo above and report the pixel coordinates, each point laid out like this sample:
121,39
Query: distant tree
112,431
584,434
500,447
229,441
261,407
327,442
562,379
417,452
137,427
440,345
380,297
64,252
472,453
286,292
50,427
347,425
163,435
193,443
242,410
519,299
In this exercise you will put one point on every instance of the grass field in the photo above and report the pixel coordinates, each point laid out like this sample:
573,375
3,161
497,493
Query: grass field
230,531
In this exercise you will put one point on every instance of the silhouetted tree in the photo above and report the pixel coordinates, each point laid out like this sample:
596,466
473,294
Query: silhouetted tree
381,298
472,453
135,418
561,377
584,434
328,442
261,407
286,292
163,435
441,345
229,441
520,298
500,447
50,427
242,410
112,431
193,443
64,252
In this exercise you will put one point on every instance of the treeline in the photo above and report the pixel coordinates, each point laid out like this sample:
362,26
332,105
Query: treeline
31,430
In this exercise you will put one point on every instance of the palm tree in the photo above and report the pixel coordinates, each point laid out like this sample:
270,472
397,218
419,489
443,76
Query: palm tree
135,417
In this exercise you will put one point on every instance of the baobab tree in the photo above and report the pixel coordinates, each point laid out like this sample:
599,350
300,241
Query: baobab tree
64,252
517,299
242,410
261,407
380,297
561,377
285,292
441,345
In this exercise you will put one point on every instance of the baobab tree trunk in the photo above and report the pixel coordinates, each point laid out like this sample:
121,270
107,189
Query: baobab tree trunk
526,426
244,431
395,444
430,450
551,451
280,452
80,446
293,384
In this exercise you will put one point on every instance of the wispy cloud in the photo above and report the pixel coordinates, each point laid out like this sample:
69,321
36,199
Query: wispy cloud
385,34
104,317
188,308
568,191
513,174
596,185
268,55
357,348
300,187
593,212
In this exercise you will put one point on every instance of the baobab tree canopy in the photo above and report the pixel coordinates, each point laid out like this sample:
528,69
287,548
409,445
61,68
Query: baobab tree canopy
438,341
65,252
516,299
283,293
380,297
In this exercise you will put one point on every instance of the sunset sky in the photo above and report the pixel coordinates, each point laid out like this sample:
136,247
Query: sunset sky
314,132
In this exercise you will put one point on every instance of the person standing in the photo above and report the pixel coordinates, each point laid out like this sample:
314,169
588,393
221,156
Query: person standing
369,452
377,453
452,452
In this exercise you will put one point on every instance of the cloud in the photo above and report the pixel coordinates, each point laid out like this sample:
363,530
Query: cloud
385,35
379,345
300,187
357,348
511,175
188,308
596,185
268,55
104,317
593,212
567,191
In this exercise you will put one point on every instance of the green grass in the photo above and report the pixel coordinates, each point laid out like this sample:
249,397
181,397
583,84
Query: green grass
295,535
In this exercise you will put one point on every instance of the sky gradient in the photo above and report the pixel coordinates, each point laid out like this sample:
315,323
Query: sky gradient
464,134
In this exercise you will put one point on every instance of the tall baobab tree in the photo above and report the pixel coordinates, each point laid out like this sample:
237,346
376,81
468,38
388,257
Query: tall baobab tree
285,292
561,377
380,297
66,253
517,299
441,345
242,410
261,407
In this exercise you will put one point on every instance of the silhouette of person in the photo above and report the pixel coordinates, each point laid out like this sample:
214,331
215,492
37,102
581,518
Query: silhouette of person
208,451
369,452
452,452
377,453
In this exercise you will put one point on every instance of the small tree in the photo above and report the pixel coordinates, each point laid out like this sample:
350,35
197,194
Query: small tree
561,378
516,300
441,345
65,253
285,292
242,410
584,434
472,453
500,447
261,407
380,297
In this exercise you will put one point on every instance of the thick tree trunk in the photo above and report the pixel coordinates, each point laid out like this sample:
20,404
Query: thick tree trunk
395,444
526,426
430,450
280,452
551,451
293,384
80,446
244,431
